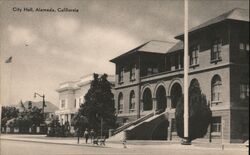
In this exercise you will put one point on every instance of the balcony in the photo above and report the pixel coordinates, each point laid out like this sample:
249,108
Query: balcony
178,72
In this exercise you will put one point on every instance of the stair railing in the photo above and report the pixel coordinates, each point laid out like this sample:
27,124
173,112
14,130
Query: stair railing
121,128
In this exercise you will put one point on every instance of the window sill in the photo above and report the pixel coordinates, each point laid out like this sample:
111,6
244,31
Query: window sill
216,134
216,60
215,102
132,111
174,133
244,99
120,112
194,66
120,83
132,80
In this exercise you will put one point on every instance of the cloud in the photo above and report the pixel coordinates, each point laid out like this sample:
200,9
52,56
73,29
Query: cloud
106,41
66,26
20,35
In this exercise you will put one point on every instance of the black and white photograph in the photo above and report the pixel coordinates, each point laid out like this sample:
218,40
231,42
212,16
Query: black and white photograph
124,77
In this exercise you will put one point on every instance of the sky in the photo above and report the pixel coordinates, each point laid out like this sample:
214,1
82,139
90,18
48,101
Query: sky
49,48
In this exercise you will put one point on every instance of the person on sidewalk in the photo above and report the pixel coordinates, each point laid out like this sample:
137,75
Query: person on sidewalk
86,135
92,135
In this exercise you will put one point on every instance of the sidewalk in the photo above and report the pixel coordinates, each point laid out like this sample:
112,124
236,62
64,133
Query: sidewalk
117,144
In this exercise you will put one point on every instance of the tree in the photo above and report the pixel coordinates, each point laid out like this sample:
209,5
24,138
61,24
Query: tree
35,115
55,127
28,118
8,112
99,106
199,113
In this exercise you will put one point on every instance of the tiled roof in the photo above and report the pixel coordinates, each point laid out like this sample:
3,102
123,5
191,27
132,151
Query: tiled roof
178,46
50,108
154,46
235,14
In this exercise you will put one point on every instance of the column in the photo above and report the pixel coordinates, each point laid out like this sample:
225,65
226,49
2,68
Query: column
141,105
170,129
210,133
169,106
69,118
154,104
60,118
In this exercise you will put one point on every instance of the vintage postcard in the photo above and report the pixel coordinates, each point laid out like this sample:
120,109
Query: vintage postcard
112,77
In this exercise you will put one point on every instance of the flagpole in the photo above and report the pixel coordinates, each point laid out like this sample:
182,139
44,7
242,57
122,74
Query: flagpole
10,87
186,68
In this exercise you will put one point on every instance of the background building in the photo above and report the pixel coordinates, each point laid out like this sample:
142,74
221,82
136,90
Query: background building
149,80
71,96
49,109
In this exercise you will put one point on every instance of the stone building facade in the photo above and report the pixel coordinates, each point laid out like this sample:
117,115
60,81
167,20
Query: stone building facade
71,96
149,79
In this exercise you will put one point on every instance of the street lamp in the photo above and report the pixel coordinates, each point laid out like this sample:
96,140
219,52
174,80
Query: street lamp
43,96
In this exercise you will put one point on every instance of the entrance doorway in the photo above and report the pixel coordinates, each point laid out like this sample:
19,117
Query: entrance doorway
161,99
147,100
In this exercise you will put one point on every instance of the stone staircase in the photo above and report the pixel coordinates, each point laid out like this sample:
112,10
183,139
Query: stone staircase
144,130
118,134
136,130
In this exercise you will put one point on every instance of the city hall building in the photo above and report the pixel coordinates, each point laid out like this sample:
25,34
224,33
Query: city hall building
149,81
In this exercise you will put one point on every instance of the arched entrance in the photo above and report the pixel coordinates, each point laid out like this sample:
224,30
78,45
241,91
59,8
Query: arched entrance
161,98
161,131
147,100
175,94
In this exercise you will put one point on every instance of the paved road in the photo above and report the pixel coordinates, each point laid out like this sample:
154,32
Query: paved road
10,147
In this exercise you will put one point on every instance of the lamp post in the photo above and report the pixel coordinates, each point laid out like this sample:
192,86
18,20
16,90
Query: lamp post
43,96
101,126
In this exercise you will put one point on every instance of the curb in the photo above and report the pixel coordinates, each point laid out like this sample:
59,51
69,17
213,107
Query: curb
34,141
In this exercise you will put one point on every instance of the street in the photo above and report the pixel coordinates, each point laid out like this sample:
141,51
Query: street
11,147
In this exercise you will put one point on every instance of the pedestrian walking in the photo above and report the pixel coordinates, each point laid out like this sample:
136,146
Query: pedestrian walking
92,135
86,135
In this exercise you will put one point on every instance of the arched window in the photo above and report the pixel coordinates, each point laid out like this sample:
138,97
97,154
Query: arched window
132,101
120,103
216,89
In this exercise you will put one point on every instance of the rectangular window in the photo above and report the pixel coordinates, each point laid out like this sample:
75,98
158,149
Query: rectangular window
121,73
155,70
152,70
75,103
216,124
194,55
132,72
247,47
63,103
242,46
216,50
149,70
244,91
244,52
